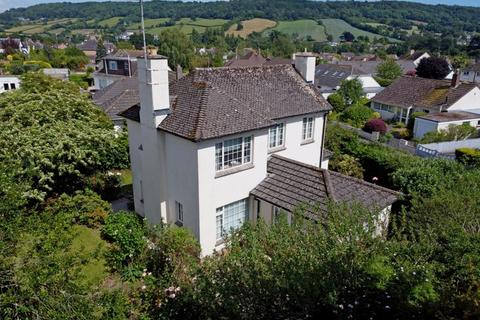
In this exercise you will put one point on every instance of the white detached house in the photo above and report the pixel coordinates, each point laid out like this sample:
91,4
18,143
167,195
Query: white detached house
204,151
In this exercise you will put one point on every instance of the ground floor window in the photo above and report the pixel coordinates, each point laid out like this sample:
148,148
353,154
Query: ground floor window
231,217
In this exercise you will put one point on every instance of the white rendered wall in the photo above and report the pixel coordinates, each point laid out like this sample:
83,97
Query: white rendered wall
468,102
9,80
215,192
134,142
182,181
444,125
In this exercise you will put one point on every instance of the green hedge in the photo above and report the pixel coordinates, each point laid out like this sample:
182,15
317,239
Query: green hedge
468,156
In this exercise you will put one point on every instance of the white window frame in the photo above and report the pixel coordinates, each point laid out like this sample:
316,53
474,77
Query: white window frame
112,65
222,150
308,124
233,209
276,136
178,211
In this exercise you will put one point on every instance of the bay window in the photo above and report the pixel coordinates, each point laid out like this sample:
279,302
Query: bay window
307,129
233,152
276,136
231,217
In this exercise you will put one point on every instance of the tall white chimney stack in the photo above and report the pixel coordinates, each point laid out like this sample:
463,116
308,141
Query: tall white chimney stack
305,64
153,90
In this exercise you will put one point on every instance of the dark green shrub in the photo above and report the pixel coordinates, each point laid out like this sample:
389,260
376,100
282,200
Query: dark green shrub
357,115
468,156
107,184
85,207
337,101
127,233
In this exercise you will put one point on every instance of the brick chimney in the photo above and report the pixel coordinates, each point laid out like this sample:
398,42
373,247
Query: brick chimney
455,79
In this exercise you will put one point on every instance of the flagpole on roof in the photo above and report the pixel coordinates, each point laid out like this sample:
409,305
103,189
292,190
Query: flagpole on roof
143,33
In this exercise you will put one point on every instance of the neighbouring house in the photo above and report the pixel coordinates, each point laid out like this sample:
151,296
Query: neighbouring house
370,67
116,66
445,149
8,83
57,73
471,73
417,56
407,94
89,47
442,120
253,59
14,44
122,95
201,150
329,77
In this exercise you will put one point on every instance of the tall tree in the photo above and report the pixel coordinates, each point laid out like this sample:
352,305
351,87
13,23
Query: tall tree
388,71
101,51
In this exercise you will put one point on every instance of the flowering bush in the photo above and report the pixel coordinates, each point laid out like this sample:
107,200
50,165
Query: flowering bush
127,232
376,125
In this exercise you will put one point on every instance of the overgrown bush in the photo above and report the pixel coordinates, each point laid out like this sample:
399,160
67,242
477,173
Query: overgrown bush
346,165
85,207
107,184
468,156
127,233
376,125
452,133
337,101
357,115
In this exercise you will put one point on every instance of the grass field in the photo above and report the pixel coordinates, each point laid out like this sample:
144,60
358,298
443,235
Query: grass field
203,22
111,22
302,28
38,27
336,27
185,25
250,26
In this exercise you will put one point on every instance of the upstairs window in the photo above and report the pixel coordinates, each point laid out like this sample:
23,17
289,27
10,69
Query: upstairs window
5,86
276,136
307,129
112,65
233,152
12,86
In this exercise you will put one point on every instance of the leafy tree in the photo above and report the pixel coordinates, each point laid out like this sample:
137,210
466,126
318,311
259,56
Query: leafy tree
357,115
337,101
101,51
389,70
177,47
346,165
55,137
433,68
348,36
351,91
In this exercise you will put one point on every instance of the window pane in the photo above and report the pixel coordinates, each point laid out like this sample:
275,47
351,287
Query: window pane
232,153
272,137
234,215
218,156
247,149
280,134
219,221
304,129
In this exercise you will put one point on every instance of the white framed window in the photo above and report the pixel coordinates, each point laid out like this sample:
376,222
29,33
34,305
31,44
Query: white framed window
230,217
233,152
307,128
112,65
12,86
276,136
179,211
275,213
5,86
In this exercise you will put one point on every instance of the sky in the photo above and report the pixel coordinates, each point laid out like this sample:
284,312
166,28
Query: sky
7,4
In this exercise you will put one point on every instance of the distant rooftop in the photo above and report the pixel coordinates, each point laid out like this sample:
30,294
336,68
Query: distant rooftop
450,116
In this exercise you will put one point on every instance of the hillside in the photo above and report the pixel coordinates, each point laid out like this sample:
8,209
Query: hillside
362,15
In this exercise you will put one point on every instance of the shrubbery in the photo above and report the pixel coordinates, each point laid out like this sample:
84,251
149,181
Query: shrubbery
376,125
127,233
468,156
357,115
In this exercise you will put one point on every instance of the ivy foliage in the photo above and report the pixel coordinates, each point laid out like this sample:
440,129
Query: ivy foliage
54,137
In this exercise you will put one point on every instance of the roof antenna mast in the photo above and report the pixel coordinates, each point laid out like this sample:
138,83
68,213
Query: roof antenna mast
143,33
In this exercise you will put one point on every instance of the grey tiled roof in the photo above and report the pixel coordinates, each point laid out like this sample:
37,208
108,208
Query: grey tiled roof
420,92
450,116
123,94
117,97
290,184
210,103
332,75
